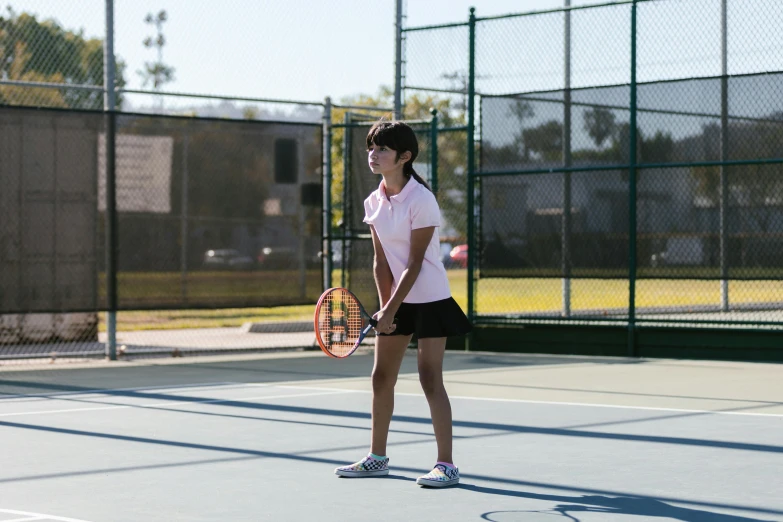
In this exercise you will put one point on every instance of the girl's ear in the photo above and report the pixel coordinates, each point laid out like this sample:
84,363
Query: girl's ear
405,156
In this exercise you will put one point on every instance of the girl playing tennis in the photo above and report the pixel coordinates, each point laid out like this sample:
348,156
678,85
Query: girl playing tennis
414,294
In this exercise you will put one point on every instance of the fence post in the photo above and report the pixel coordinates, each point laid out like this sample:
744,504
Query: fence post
326,246
471,166
566,217
632,196
434,151
109,105
724,156
398,61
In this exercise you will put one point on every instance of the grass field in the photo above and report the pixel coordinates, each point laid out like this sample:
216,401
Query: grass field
210,289
494,296
498,296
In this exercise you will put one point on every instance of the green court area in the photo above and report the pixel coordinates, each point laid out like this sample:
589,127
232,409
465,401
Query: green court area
493,296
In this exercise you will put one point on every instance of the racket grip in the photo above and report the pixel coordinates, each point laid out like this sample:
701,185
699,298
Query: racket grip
373,322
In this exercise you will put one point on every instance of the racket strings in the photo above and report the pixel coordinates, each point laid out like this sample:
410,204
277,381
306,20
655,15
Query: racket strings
340,322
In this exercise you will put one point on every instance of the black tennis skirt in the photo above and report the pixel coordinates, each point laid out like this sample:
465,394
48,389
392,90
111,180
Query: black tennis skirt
442,318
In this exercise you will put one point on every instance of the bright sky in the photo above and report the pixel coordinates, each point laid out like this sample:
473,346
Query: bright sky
309,49
293,49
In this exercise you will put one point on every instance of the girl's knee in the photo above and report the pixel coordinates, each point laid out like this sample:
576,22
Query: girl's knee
431,380
383,380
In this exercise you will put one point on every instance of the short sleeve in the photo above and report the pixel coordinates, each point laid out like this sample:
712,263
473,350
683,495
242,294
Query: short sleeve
369,212
425,211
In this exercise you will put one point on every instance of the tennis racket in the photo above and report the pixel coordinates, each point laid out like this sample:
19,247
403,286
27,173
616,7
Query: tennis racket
341,322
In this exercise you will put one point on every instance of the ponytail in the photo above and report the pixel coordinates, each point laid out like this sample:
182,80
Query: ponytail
407,169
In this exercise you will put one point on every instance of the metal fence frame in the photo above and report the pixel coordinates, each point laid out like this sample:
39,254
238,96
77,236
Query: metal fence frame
110,93
476,174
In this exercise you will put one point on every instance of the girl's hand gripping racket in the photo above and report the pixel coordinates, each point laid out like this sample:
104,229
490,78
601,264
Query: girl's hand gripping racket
341,323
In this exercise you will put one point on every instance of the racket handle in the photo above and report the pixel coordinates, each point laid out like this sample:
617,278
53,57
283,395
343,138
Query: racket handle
373,322
364,333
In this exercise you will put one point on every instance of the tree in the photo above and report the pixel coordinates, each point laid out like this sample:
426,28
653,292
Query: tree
756,190
43,51
522,110
546,140
657,149
621,147
599,124
250,113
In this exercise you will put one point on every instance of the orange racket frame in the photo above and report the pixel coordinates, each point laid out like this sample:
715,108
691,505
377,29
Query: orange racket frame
341,322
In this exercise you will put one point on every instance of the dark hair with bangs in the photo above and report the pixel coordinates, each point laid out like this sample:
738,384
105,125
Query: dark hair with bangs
399,137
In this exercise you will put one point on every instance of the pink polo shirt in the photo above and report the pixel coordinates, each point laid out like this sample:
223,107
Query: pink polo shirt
393,219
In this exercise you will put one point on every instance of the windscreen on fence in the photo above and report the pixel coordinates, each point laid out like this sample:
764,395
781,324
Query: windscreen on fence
527,230
217,213
49,216
211,213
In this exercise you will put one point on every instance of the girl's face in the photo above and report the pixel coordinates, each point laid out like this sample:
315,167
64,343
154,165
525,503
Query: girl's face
383,160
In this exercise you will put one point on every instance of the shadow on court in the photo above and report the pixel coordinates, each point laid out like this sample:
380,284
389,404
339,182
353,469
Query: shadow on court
607,502
261,440
497,428
570,506
267,369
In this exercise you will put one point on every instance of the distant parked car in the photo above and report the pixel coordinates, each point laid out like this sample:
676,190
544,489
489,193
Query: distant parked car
277,257
458,257
227,259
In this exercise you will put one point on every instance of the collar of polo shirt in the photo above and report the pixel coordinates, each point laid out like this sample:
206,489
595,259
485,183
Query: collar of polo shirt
406,190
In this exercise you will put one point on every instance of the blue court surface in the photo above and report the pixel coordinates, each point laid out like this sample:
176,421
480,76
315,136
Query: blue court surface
537,438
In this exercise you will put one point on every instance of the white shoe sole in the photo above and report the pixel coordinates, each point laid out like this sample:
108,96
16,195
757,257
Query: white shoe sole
359,474
436,483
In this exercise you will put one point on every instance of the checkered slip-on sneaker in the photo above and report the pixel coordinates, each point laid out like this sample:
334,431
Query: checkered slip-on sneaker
440,477
367,467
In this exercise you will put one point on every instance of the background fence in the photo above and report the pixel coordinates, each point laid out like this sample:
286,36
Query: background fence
209,214
128,212
615,165
627,162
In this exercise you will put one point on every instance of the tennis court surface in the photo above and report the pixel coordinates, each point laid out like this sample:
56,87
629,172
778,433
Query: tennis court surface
247,438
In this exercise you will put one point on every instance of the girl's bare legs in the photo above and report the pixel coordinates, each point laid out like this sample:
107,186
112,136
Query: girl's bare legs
431,352
389,351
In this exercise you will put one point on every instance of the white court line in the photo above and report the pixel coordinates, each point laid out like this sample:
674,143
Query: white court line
37,516
558,403
25,519
344,390
618,406
105,391
163,405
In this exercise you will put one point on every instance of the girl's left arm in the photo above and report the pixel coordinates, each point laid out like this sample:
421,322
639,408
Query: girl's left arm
420,240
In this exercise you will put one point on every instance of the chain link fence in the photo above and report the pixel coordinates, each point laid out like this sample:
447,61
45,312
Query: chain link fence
628,160
211,214
600,164
215,217
53,56
48,62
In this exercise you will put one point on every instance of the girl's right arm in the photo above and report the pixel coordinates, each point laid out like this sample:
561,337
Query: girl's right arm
381,270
